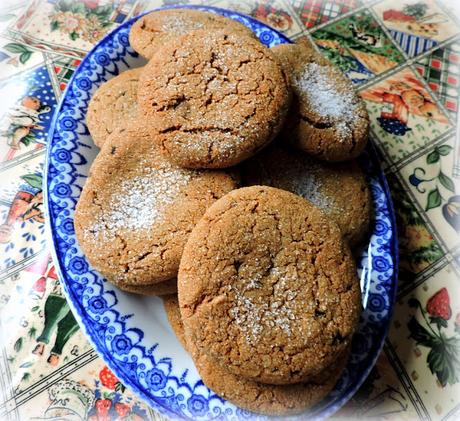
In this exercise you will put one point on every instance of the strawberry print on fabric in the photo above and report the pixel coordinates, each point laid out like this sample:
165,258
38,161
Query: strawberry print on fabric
444,356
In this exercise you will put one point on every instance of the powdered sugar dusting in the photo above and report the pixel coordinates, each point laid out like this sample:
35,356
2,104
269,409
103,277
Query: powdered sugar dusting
180,25
319,90
308,186
140,201
209,143
301,178
252,314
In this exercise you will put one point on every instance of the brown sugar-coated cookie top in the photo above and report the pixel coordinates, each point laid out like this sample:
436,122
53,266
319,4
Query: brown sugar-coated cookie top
340,190
114,104
250,395
137,209
213,98
151,31
267,287
328,119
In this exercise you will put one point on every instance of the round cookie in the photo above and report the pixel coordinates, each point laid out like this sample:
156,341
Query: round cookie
151,31
253,396
211,102
160,288
137,209
328,119
340,190
113,105
267,287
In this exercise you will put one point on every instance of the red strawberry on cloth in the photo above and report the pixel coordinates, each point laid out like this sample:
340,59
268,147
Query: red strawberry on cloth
122,409
108,379
439,305
52,273
40,285
103,407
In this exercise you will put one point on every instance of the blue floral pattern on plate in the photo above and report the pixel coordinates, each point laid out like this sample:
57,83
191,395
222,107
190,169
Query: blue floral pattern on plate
131,333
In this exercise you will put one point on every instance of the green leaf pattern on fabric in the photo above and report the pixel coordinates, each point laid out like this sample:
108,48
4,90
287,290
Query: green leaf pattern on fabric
16,48
436,194
434,199
34,180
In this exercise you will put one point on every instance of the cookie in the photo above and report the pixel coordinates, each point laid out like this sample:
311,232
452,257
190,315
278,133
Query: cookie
211,102
253,396
328,119
171,304
267,287
286,55
150,32
339,189
137,209
160,288
113,105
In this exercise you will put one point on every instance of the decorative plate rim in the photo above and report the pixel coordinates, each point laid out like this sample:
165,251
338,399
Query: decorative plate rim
81,315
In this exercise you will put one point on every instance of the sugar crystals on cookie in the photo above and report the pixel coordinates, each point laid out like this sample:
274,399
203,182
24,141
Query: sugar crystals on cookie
327,120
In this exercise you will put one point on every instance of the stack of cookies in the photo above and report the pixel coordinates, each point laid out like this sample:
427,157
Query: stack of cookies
226,183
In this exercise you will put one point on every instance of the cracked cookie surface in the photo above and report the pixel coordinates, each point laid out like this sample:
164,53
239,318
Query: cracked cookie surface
250,395
328,119
267,287
339,189
113,105
150,32
137,209
213,99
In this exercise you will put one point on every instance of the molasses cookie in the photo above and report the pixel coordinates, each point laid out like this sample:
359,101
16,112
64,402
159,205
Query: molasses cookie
211,102
267,287
328,119
286,55
152,31
340,190
114,104
253,396
171,304
160,288
137,209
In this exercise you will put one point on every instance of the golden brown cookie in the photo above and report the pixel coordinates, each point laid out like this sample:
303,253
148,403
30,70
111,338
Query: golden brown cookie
160,288
113,105
253,396
213,103
171,304
137,209
153,30
339,189
267,287
286,55
328,119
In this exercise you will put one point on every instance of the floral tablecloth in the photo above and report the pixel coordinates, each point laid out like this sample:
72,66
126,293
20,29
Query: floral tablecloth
402,56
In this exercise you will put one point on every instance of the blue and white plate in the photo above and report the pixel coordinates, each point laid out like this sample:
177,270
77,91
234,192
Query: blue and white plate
131,333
